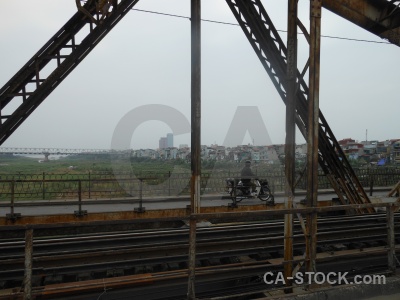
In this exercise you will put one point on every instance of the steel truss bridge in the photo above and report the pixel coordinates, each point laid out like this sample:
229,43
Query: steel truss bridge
52,151
30,86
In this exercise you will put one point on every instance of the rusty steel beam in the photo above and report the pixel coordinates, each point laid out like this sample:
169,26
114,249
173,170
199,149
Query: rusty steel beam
195,105
28,264
71,289
43,226
391,239
195,139
272,52
173,214
241,215
394,190
97,285
40,85
313,131
380,17
290,136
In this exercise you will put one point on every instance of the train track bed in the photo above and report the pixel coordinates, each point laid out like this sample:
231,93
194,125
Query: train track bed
226,254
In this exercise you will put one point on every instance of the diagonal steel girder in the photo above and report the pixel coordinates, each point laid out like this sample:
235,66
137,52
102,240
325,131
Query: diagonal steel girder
380,17
270,49
27,89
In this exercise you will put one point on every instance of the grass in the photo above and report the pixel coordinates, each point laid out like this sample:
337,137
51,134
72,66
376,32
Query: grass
28,165
88,168
91,169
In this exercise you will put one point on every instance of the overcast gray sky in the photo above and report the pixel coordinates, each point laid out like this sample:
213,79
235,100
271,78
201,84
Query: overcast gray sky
146,60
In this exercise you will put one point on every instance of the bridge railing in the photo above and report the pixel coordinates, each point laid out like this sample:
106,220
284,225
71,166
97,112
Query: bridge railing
107,185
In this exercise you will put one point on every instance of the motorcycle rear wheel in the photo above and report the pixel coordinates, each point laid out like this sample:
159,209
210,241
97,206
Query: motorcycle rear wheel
265,194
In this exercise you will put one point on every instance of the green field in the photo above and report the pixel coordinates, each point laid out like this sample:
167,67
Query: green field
97,176
77,164
101,177
102,163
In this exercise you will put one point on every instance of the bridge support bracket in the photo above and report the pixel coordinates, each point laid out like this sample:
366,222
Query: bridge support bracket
80,213
13,216
140,210
233,205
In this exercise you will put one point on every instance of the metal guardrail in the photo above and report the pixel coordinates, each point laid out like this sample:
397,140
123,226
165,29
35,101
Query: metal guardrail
93,186
77,194
49,186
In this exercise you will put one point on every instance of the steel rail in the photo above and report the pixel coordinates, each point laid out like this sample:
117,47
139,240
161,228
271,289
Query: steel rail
75,262
240,247
215,274
162,249
119,239
86,251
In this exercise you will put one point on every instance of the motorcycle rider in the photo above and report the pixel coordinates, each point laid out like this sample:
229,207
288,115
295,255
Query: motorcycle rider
247,176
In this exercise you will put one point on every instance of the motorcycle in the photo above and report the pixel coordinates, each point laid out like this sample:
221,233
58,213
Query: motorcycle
240,191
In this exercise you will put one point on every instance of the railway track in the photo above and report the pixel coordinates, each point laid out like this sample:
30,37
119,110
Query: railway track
159,256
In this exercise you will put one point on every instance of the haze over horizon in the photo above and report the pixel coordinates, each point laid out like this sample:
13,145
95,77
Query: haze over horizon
146,60
188,144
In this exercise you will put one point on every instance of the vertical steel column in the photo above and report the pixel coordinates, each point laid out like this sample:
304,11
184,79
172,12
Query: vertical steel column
80,212
43,186
195,139
12,183
90,187
79,196
140,209
12,215
290,135
28,264
312,134
391,239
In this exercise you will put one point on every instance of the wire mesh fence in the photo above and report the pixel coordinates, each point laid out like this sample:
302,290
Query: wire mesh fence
107,185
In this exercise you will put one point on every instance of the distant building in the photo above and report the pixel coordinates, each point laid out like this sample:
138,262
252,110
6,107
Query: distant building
162,144
383,148
371,151
346,141
170,140
396,151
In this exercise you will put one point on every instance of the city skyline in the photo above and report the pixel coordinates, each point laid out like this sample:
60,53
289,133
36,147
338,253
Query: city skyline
188,145
166,141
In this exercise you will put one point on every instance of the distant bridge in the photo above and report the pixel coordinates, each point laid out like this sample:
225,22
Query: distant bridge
56,151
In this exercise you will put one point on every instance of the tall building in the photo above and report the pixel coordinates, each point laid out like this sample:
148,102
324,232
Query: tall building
162,143
170,140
